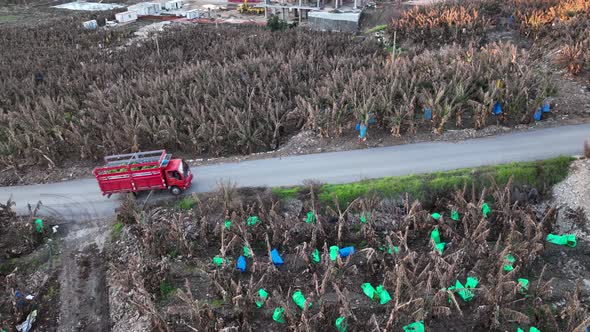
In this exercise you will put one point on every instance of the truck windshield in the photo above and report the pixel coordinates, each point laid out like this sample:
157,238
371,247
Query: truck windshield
184,169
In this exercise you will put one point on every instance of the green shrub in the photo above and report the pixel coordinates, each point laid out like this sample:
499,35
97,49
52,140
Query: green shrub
276,24
166,289
186,203
117,229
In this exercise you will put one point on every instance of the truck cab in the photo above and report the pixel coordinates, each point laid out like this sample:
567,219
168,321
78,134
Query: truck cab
178,176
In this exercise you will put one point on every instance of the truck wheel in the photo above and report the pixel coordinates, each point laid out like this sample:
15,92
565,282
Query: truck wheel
175,191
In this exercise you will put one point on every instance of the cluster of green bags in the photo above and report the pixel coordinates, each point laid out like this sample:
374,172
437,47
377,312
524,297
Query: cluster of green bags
465,291
380,293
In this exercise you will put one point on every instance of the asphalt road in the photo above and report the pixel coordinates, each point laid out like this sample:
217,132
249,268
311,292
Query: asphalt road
81,199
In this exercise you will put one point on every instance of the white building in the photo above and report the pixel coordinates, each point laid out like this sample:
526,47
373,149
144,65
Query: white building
146,8
192,14
125,17
173,5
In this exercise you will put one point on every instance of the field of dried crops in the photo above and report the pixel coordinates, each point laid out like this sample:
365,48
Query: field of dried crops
472,261
547,26
71,94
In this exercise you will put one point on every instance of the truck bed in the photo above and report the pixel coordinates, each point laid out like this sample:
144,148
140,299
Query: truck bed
132,172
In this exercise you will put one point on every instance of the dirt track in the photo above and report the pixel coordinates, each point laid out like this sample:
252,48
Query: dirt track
84,295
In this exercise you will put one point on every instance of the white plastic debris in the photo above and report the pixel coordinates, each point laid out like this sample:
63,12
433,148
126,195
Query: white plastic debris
54,228
28,323
29,297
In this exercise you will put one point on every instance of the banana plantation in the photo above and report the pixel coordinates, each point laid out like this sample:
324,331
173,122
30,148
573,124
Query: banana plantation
226,90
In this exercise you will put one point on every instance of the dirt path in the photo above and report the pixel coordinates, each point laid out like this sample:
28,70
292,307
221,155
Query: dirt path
574,192
84,293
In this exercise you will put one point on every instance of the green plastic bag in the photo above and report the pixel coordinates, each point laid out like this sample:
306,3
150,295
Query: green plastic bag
277,315
364,217
464,291
246,252
227,224
383,295
263,295
455,215
509,262
415,327
524,285
39,225
315,256
369,290
390,249
299,300
341,324
436,216
310,217
465,294
562,240
218,260
435,236
485,209
531,329
333,253
440,247
251,221
471,282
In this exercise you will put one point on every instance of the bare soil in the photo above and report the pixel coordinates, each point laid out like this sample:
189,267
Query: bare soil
382,13
28,268
64,271
82,276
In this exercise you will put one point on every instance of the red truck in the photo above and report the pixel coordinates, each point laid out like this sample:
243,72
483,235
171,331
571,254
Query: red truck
135,172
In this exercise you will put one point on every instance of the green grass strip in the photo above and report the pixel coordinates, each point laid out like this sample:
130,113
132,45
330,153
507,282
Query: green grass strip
377,28
540,174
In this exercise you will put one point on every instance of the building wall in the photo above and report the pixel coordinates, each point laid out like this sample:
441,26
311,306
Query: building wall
172,5
145,8
140,9
192,14
323,24
126,17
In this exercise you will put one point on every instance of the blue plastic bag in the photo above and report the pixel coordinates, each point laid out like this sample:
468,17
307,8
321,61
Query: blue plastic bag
363,130
537,115
546,108
241,264
345,252
427,114
497,108
276,258
358,127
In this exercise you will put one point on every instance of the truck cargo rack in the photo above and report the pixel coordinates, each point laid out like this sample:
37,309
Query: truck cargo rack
156,157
